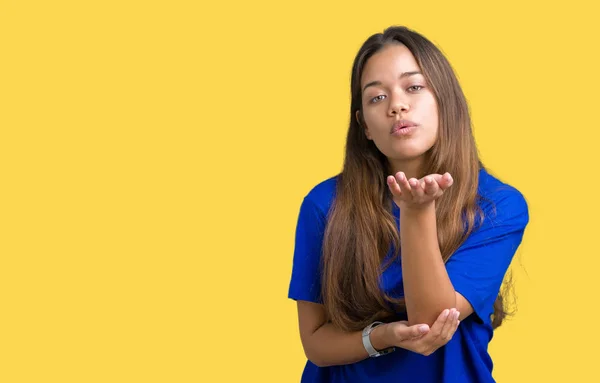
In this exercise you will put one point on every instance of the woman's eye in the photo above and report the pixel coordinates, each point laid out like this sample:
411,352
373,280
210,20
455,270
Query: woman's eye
377,98
414,87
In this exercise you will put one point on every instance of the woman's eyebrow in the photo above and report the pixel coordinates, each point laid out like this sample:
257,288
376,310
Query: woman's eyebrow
405,74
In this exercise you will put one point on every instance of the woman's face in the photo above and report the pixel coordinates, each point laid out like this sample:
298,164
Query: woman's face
394,92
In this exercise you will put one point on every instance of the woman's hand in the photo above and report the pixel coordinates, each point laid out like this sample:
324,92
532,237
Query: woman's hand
414,193
424,343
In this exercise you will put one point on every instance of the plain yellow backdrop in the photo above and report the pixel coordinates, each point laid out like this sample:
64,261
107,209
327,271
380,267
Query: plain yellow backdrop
154,155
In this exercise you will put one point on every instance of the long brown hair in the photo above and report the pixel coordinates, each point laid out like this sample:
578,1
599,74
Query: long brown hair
361,227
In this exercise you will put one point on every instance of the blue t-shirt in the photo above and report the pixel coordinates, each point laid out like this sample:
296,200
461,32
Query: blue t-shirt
476,271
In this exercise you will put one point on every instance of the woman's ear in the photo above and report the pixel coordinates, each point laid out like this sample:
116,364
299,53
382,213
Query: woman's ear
363,125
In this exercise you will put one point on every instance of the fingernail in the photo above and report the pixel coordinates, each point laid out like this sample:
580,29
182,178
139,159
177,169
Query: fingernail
457,315
423,328
446,312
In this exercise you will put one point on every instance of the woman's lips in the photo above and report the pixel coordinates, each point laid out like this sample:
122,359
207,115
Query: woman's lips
403,128
404,131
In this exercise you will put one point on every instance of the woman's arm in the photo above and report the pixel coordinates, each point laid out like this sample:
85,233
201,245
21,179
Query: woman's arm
427,287
326,345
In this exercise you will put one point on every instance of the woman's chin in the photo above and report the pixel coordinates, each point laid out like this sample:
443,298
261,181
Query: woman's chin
408,154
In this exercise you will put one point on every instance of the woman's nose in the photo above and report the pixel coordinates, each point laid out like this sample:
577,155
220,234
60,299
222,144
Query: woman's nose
398,105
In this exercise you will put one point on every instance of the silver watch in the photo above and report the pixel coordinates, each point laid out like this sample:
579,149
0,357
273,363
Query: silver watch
366,339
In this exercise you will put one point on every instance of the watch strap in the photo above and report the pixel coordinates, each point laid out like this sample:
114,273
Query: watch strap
366,339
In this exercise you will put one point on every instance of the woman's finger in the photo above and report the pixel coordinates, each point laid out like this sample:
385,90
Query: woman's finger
403,182
437,327
412,332
416,189
404,334
446,181
456,323
449,326
431,186
394,187
436,177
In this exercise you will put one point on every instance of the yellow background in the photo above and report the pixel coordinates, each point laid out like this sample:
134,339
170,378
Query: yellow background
154,155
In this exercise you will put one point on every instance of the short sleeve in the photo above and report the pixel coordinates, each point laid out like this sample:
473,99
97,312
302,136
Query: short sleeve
305,282
478,267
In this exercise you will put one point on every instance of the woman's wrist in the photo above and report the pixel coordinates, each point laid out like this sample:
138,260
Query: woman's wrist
411,209
380,337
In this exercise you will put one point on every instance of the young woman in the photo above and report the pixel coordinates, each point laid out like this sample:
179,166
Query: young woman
399,259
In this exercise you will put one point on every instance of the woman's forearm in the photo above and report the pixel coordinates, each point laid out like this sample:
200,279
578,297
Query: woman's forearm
330,346
427,287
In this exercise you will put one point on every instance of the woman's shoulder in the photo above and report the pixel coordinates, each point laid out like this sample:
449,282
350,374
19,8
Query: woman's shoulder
322,193
501,199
